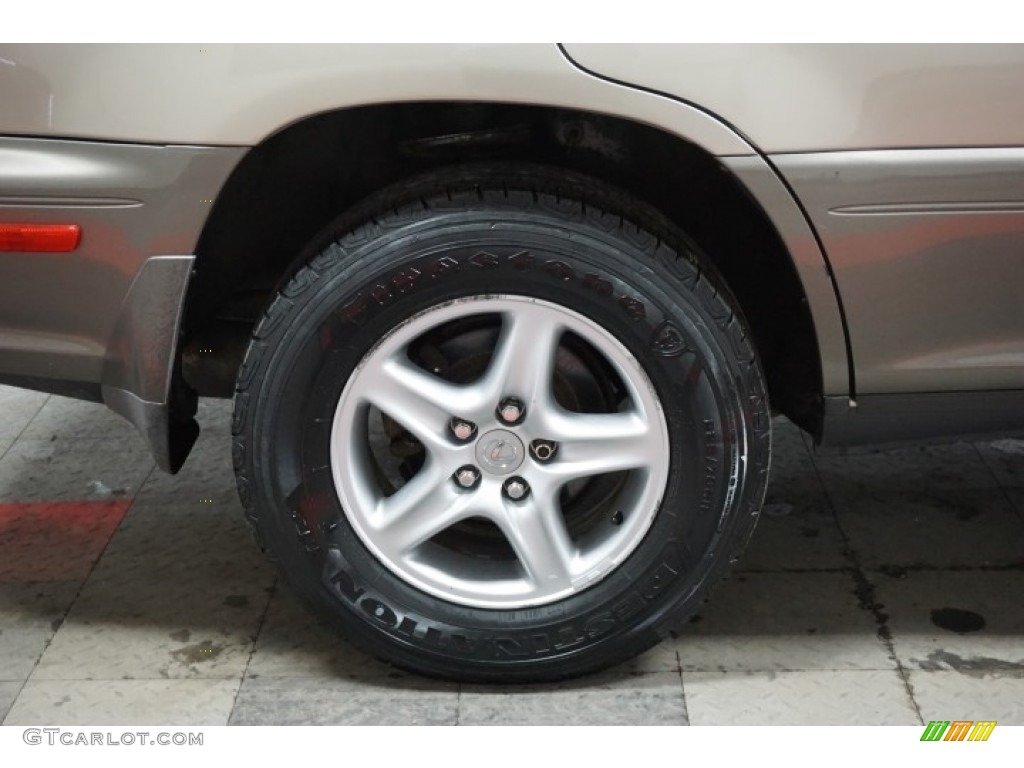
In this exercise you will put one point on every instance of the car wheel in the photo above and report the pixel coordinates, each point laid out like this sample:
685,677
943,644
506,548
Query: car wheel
503,424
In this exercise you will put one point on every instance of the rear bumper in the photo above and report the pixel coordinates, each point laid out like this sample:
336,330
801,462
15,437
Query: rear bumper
102,321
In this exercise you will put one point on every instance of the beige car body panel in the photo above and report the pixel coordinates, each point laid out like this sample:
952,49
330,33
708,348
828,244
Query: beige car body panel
909,161
928,252
785,98
241,94
823,98
791,122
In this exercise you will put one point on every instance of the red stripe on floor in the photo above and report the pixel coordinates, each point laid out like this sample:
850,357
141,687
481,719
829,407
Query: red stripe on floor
55,541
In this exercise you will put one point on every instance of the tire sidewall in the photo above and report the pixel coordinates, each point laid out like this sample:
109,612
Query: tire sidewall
658,308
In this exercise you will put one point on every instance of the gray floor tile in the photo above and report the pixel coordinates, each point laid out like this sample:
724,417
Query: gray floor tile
124,702
797,530
931,526
214,416
661,658
774,621
935,619
46,552
29,616
21,645
329,701
955,696
57,541
17,407
179,593
790,455
608,699
293,644
8,692
63,418
206,478
1006,460
908,469
89,468
820,697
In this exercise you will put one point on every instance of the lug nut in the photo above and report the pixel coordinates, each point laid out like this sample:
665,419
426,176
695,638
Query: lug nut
543,450
463,430
516,488
467,477
510,410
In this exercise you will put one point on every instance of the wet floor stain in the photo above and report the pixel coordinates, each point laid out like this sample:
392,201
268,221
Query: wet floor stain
200,652
236,601
958,620
181,636
975,666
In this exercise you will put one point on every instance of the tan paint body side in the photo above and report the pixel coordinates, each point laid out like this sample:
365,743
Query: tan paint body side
240,94
921,218
811,99
928,251
784,98
821,98
59,310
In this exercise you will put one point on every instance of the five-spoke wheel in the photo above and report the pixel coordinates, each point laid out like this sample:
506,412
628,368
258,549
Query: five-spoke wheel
511,456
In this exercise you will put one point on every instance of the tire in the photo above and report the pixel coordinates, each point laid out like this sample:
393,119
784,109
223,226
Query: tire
387,413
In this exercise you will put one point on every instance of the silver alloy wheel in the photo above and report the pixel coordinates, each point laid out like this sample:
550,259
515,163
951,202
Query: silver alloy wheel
549,562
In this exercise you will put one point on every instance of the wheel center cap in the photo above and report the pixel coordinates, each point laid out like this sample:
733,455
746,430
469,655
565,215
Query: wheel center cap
500,452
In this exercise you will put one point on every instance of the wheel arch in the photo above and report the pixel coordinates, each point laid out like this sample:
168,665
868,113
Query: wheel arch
291,185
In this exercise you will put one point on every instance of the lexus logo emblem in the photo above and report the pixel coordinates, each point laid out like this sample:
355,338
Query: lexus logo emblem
500,452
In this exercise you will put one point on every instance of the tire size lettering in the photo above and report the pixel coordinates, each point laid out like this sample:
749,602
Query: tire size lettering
485,260
707,495
406,279
442,265
559,270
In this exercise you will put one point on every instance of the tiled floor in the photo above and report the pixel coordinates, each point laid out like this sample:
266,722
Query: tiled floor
879,588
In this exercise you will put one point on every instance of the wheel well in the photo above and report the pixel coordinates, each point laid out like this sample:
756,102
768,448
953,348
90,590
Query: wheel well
296,182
